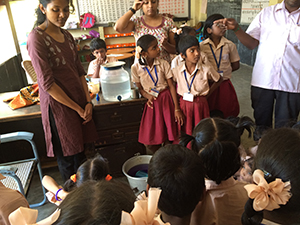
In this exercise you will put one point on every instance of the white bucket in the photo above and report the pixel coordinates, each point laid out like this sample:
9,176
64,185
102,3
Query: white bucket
138,184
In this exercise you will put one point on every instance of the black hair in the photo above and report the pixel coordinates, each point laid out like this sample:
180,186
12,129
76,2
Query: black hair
179,173
93,169
216,141
94,203
97,43
186,30
279,154
144,42
186,42
259,132
41,17
209,22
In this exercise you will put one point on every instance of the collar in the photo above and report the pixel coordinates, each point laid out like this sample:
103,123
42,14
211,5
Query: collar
223,41
198,66
210,184
155,62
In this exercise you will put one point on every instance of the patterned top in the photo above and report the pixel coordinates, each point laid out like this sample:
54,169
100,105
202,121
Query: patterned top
141,28
58,62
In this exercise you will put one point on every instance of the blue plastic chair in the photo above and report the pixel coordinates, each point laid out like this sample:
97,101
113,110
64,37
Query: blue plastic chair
19,173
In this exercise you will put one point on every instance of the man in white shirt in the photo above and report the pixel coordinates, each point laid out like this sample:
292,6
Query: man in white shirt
276,73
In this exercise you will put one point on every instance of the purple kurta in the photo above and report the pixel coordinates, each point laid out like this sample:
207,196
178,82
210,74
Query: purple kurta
58,62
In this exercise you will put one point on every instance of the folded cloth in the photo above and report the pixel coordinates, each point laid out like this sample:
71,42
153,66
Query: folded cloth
28,96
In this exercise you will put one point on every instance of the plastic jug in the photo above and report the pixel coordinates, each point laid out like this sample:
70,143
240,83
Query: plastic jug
115,82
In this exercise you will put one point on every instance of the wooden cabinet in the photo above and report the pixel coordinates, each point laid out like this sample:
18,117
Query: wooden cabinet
118,127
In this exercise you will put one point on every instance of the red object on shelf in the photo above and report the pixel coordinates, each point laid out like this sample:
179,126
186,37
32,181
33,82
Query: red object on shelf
121,45
118,35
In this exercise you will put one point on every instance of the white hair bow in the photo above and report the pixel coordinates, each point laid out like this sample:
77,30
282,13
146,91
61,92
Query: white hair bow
266,195
144,210
177,31
27,216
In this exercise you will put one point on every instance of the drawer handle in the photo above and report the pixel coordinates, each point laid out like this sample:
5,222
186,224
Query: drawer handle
116,118
118,135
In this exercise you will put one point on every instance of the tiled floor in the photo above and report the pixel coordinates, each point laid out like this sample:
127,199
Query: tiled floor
241,81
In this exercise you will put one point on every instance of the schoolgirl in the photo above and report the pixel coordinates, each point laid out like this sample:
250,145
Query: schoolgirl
193,79
153,77
223,55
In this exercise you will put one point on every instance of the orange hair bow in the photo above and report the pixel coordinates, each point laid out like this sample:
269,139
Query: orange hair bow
73,178
108,177
266,195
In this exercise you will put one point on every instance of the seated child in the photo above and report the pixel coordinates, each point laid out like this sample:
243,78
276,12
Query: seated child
178,173
216,141
94,202
98,48
274,194
246,170
10,200
92,169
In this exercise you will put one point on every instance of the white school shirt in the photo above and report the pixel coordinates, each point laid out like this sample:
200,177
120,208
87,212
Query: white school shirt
139,74
277,64
229,55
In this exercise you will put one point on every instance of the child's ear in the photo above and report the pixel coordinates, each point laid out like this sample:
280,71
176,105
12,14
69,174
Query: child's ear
182,55
42,8
144,54
209,30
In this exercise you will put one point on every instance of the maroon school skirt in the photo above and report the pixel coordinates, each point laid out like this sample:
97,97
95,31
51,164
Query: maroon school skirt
158,124
224,99
194,112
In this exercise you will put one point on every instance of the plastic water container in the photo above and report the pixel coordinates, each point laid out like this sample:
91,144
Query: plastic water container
136,171
115,82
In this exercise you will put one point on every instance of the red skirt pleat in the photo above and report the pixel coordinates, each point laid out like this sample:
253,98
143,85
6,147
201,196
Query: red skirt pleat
158,124
224,98
194,112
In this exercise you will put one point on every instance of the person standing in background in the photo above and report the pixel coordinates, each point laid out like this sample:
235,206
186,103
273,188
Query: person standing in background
276,73
152,23
65,102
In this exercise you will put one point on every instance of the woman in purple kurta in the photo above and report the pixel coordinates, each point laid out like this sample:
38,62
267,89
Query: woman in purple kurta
64,98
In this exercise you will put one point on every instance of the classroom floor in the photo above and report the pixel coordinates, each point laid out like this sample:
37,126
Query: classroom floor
241,81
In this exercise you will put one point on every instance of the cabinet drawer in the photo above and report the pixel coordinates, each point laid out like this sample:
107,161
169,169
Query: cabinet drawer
115,117
115,136
118,154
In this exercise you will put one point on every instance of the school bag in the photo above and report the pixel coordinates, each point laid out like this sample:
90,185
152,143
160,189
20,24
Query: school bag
87,20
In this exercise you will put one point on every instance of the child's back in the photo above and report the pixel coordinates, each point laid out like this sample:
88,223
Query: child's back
216,141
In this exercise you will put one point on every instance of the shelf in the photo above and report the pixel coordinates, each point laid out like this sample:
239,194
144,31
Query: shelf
125,45
116,35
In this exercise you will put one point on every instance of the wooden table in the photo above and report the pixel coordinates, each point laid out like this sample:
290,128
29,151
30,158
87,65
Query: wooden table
117,125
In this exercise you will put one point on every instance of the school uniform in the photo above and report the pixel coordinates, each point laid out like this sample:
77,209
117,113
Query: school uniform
178,60
157,124
224,98
197,84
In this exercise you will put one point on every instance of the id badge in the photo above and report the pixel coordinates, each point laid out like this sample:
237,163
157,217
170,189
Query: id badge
188,97
154,92
221,73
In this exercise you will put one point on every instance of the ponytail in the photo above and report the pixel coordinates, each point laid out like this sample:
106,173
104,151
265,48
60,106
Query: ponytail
185,139
250,216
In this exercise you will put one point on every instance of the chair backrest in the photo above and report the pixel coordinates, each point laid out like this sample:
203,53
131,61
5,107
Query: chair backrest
27,65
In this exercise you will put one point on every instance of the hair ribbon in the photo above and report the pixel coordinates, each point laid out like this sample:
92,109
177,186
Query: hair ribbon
73,178
177,31
138,51
266,195
27,216
144,210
